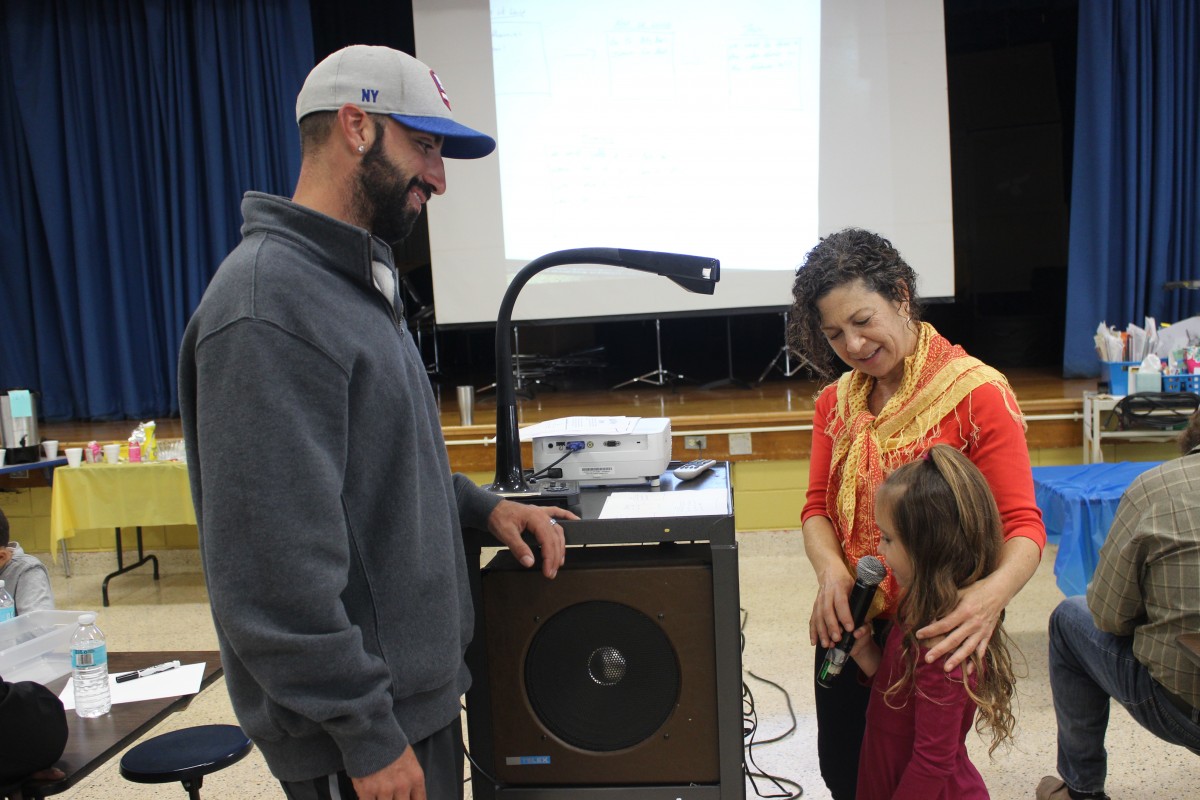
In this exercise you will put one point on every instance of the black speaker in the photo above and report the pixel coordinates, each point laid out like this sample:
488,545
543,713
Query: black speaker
605,675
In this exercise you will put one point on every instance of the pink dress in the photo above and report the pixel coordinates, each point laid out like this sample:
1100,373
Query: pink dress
919,750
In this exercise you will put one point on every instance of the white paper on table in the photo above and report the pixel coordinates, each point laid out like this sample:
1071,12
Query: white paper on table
172,683
691,503
579,426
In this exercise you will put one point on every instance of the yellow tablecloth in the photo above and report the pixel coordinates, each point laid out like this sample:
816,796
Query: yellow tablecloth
116,495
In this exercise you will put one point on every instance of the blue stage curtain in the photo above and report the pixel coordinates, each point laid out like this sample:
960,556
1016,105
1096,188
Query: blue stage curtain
1135,194
129,130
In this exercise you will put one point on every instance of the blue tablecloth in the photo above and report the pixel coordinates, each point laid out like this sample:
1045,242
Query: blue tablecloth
1078,504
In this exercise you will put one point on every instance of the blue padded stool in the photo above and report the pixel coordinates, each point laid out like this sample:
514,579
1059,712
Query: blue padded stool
186,756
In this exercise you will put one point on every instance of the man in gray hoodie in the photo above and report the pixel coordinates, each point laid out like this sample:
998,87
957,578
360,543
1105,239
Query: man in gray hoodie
330,523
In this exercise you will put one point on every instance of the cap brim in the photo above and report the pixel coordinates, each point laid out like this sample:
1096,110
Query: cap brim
458,141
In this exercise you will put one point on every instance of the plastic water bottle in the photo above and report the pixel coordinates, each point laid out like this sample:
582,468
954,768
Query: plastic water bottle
8,609
89,668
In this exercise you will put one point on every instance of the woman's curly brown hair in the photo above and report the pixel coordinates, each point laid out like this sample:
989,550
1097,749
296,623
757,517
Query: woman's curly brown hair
846,256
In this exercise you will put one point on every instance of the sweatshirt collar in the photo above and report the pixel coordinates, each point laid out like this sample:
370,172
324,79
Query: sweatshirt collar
345,248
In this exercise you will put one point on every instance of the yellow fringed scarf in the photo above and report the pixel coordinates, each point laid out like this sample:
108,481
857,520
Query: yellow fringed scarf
866,448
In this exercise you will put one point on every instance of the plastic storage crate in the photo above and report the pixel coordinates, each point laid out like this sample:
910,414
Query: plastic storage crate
1118,373
1181,383
37,646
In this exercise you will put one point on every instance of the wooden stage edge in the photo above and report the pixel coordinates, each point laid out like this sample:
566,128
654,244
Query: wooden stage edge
768,422
767,436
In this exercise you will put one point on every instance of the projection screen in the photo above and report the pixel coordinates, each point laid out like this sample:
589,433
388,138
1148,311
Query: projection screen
742,131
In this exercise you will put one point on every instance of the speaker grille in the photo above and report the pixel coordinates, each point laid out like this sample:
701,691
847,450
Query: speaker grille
602,676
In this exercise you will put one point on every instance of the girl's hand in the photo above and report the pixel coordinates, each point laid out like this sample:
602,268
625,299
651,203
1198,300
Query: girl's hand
865,652
831,618
968,628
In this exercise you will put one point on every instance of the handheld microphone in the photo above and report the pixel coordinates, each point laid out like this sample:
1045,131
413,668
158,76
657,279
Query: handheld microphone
870,573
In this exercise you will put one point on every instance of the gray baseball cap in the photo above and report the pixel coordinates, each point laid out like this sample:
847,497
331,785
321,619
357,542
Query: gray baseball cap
381,80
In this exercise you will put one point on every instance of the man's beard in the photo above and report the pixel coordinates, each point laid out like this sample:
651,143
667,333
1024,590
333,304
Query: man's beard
381,196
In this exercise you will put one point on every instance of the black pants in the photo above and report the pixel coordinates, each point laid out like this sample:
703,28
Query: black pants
841,722
440,757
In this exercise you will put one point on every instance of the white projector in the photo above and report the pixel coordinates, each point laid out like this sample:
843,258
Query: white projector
602,451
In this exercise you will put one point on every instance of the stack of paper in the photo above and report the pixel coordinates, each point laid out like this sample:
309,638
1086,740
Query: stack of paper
171,683
1134,344
579,426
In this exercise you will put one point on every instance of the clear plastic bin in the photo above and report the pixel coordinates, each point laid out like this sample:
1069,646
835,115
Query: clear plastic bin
37,646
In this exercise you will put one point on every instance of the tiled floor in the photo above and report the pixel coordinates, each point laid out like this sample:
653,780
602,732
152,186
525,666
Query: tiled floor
777,588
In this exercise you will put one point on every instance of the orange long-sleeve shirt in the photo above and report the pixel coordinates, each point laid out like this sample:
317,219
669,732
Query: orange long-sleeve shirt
982,427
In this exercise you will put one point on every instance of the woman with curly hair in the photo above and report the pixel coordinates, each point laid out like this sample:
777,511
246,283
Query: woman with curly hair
907,389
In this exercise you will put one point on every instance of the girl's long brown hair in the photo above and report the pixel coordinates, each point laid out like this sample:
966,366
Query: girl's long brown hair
946,519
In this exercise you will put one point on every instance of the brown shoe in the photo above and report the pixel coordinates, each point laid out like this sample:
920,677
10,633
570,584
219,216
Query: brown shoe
1052,787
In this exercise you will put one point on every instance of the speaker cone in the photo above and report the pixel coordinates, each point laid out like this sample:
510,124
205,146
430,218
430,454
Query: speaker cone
602,676
605,675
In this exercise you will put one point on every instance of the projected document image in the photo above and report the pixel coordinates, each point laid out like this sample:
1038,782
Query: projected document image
683,126
742,131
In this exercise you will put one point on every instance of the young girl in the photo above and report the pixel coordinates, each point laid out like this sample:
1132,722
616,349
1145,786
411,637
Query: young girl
940,532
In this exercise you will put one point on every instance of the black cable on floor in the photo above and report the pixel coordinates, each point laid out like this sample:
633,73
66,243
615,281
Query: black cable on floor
788,789
475,764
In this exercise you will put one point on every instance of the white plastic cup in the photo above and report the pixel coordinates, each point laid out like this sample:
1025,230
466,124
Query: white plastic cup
2,452
112,453
50,448
466,405
74,456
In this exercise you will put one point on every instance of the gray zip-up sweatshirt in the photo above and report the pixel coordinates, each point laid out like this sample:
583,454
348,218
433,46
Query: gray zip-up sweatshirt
329,519
26,579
